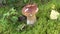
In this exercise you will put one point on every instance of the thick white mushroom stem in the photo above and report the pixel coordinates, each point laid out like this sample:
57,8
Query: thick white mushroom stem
31,20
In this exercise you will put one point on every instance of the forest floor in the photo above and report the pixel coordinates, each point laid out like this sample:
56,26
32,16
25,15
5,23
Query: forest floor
12,19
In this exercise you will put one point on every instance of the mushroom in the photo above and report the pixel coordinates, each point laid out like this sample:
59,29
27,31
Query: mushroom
29,11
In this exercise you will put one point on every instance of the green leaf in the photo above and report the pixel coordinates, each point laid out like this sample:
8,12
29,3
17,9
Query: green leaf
14,19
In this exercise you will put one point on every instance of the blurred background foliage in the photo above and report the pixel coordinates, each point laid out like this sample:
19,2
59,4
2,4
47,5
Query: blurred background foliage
11,19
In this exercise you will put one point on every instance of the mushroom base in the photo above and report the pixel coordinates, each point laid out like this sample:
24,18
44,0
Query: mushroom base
31,20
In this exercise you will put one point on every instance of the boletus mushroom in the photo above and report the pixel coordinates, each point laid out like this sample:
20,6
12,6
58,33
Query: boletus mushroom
30,11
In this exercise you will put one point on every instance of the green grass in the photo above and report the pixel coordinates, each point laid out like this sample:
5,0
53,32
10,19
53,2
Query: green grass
9,23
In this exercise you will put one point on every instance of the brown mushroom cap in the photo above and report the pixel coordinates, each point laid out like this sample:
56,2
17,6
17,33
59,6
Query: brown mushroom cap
30,9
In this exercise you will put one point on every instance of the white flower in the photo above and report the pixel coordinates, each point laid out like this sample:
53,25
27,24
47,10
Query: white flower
54,14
